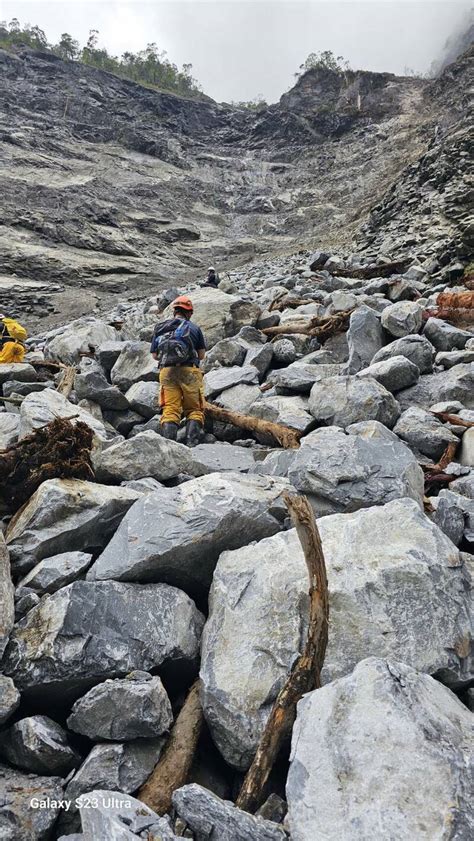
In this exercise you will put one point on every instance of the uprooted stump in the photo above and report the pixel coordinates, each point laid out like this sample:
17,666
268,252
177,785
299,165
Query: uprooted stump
59,450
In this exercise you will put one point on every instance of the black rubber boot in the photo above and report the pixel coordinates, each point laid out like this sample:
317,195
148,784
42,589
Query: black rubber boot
193,433
169,430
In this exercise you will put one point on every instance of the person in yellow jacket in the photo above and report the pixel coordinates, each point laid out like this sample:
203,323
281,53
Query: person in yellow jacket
12,336
179,346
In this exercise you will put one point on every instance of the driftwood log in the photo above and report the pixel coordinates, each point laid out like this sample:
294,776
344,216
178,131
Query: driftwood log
434,473
286,302
454,419
369,272
59,450
172,770
316,327
306,674
283,435
66,384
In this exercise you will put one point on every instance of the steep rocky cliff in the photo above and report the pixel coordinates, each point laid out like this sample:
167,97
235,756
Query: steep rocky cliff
110,187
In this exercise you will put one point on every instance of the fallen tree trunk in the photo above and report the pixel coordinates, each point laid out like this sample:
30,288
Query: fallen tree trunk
283,435
66,384
434,473
173,768
454,419
288,303
59,450
369,272
316,327
306,674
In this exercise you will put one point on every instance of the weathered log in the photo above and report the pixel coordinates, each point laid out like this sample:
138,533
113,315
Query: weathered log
455,300
306,674
66,384
59,450
283,435
174,765
454,419
286,302
316,327
445,459
369,272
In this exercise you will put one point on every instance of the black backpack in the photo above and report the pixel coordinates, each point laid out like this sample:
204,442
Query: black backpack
173,344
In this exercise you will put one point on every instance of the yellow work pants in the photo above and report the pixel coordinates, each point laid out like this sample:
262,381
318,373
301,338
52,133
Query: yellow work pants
181,392
12,352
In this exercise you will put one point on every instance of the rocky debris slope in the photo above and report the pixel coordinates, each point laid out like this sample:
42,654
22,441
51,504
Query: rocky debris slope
176,562
111,187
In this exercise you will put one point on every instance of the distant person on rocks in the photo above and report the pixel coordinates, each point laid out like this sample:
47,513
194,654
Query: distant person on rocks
12,336
178,345
212,278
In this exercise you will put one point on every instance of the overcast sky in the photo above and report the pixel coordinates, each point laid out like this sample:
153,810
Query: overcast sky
242,48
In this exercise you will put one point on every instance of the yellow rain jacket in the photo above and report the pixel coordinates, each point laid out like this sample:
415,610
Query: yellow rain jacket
12,334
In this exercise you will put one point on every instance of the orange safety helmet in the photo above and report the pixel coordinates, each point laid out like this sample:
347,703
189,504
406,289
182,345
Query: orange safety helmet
183,303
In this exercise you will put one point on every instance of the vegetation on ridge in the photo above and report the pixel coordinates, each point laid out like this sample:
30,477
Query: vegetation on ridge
148,67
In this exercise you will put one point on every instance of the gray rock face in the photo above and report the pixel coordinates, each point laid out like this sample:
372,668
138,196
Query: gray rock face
374,557
21,371
352,471
457,383
415,348
92,385
225,354
9,699
127,820
402,319
53,573
18,821
65,515
424,432
7,610
40,745
444,336
222,378
130,708
9,429
146,454
117,767
288,411
260,356
394,373
407,741
176,535
364,338
301,376
449,515
239,398
454,357
108,353
143,398
448,498
341,401
215,458
78,337
212,818
467,449
41,407
90,631
134,364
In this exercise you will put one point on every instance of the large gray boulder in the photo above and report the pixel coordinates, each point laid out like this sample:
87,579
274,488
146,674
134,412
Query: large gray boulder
134,364
9,429
394,373
382,753
239,398
444,336
363,466
53,573
7,609
65,515
364,337
212,818
176,535
20,371
222,378
422,431
457,383
146,454
9,699
289,411
90,631
301,376
93,385
67,344
341,401
225,354
118,818
218,457
142,397
41,407
415,348
19,819
467,450
133,707
402,319
392,574
115,766
40,745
